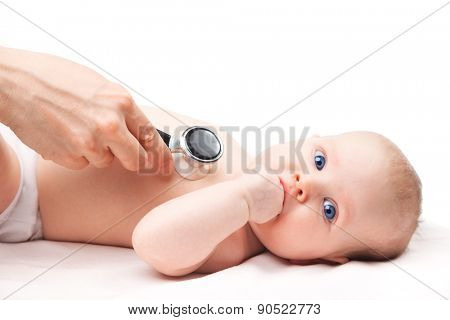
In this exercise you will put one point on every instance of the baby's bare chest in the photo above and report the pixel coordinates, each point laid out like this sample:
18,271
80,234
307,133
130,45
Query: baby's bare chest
104,205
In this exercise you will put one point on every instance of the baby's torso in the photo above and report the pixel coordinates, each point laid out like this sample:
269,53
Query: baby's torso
103,205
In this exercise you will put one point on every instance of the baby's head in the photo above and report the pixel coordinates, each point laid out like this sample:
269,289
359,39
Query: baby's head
355,196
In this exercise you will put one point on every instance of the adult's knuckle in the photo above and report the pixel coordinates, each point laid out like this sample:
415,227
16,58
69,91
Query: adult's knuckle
88,144
83,142
124,103
108,125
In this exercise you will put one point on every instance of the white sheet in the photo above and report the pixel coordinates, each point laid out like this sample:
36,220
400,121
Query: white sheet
111,273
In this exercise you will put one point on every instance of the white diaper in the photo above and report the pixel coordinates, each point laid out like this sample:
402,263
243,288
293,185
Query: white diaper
21,221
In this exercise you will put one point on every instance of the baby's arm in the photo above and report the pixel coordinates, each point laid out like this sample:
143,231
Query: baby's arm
9,174
178,236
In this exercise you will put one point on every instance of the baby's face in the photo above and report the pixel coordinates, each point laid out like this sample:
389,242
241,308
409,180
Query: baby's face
336,203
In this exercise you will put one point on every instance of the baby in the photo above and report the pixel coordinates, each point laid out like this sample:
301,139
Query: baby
349,196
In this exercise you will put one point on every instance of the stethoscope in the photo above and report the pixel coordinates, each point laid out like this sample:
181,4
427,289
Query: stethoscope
195,152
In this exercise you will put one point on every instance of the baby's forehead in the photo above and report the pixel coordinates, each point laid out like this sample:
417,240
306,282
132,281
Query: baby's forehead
363,145
356,156
359,163
357,136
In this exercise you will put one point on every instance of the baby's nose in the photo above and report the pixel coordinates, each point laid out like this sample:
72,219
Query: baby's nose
299,187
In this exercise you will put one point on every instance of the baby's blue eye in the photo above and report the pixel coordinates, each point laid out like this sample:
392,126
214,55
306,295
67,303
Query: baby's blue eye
329,210
319,159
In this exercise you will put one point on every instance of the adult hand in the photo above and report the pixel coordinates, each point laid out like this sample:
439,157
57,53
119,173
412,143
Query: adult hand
72,115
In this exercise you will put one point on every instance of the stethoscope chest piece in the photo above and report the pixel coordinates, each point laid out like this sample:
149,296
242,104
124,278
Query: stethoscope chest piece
195,151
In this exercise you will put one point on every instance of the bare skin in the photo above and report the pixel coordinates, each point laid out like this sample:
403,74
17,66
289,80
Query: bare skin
78,117
180,226
103,205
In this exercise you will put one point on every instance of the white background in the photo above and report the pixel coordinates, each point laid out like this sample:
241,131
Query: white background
244,62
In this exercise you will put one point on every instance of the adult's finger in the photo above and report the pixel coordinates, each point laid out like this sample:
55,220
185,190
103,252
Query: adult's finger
127,149
100,159
158,153
72,163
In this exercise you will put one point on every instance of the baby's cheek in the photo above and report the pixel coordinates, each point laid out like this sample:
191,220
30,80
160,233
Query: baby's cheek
312,225
307,216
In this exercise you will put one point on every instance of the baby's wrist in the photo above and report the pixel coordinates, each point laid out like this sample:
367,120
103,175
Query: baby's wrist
243,193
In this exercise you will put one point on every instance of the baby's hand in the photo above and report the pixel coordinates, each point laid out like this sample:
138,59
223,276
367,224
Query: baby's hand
264,195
